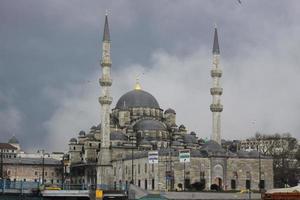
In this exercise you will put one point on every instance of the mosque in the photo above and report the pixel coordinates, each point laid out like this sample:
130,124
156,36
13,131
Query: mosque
115,153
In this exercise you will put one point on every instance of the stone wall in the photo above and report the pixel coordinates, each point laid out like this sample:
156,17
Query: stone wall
208,169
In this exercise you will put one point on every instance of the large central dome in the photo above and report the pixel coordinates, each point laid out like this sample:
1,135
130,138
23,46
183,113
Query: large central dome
137,98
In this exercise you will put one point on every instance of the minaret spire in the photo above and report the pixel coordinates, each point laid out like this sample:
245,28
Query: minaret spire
106,35
216,49
216,91
104,161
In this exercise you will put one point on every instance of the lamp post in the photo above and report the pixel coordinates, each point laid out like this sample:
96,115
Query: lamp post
259,166
1,164
43,165
132,159
184,175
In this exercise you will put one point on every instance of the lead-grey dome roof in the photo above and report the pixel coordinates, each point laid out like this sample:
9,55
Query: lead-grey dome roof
73,140
170,110
190,139
213,146
117,136
149,124
81,133
137,98
13,140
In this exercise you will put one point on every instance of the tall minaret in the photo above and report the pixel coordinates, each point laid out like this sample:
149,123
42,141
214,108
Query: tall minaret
216,91
104,161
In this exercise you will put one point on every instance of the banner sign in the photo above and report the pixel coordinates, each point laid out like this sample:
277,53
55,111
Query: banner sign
184,156
153,157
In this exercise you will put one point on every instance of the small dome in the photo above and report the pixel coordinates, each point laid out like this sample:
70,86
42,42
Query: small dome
81,133
170,111
149,124
117,136
190,139
13,140
137,98
193,133
213,146
90,136
181,127
73,140
93,128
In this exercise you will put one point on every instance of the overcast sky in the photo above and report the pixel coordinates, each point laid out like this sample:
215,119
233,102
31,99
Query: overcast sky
50,52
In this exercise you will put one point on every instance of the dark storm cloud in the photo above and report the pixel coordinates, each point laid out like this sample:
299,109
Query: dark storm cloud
49,63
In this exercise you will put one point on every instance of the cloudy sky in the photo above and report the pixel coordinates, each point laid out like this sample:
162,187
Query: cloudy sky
50,52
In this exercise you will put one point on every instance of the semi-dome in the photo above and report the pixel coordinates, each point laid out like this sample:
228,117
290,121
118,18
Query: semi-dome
137,98
149,124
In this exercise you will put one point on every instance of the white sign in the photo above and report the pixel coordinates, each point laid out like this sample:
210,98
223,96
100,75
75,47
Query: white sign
153,157
184,156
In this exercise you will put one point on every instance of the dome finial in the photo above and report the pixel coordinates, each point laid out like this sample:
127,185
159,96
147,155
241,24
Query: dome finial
137,84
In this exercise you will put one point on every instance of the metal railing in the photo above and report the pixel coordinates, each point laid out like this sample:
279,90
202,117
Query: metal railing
27,187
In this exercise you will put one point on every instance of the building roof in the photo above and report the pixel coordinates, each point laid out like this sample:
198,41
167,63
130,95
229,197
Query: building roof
7,146
166,152
32,161
149,124
137,98
13,140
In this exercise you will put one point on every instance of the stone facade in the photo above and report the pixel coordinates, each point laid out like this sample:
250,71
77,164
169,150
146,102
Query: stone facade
30,170
230,173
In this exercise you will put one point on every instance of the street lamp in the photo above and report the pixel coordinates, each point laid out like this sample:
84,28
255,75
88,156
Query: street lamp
132,159
259,166
43,164
1,164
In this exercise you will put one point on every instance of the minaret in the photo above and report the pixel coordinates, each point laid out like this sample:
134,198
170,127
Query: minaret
104,161
216,91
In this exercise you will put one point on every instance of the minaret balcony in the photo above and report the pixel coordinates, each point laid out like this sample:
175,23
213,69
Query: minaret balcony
105,81
216,73
216,107
216,91
105,100
106,63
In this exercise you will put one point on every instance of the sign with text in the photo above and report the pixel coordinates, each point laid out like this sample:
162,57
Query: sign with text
184,156
153,157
